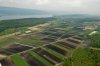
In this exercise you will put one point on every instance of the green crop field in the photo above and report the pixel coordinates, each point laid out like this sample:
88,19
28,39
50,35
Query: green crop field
7,41
38,57
54,53
18,60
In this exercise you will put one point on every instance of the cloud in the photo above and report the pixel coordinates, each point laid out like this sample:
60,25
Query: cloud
82,6
42,2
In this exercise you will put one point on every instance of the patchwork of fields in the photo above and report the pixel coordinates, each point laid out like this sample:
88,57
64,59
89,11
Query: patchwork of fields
57,41
48,55
48,46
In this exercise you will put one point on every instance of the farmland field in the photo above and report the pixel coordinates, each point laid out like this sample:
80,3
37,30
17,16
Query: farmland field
56,41
40,58
18,60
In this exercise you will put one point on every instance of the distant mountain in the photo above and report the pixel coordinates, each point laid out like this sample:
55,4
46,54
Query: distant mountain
19,11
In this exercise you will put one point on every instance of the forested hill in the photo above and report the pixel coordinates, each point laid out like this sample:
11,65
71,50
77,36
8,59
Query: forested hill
18,23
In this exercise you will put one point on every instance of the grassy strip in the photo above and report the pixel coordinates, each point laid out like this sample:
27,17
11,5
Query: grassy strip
34,40
18,60
38,57
54,53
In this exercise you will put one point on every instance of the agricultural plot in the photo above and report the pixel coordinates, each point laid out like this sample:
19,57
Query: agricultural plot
34,40
6,62
52,37
4,52
53,59
76,32
54,48
66,36
21,36
46,33
40,58
61,47
16,48
48,39
73,41
56,34
45,55
64,44
31,60
54,30
60,56
78,38
18,60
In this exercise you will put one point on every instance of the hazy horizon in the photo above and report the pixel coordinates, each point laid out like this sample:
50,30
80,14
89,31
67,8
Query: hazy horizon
66,6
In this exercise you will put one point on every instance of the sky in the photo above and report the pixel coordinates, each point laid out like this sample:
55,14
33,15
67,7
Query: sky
67,6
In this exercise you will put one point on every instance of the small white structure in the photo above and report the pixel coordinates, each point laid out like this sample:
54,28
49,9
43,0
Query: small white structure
28,31
0,64
94,32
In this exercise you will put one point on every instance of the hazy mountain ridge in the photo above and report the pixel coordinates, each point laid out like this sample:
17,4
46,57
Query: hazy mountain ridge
19,11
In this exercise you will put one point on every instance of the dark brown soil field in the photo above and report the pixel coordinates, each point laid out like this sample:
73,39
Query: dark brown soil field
6,62
46,54
11,50
63,52
20,48
56,34
31,60
66,36
16,48
48,39
46,33
77,38
74,41
66,45
4,52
